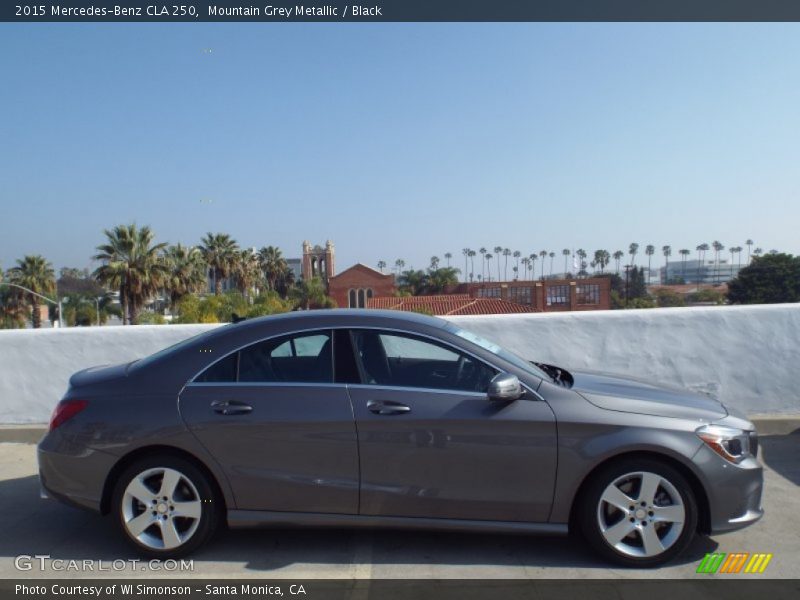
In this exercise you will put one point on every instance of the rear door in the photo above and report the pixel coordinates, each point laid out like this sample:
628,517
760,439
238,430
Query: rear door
433,445
278,424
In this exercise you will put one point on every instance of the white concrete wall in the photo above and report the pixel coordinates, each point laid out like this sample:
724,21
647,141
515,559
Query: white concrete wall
745,356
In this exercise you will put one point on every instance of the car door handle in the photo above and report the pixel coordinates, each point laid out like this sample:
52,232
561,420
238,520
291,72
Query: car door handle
230,407
387,407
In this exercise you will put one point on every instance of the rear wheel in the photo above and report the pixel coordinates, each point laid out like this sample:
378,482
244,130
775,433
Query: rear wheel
166,507
639,513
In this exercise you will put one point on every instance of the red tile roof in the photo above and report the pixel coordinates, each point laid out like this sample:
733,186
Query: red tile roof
449,304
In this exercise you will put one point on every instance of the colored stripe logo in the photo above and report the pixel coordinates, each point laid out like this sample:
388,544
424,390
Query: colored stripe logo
733,563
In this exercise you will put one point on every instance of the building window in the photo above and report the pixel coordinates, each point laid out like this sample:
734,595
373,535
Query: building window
557,295
489,292
362,299
369,293
588,294
351,299
522,295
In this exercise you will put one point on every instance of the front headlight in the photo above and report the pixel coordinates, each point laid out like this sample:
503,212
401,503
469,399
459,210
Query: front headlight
731,444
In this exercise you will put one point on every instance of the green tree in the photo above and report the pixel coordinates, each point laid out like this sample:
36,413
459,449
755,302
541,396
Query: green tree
186,272
667,250
246,272
13,314
668,297
617,257
413,281
769,279
273,264
381,265
35,273
219,253
438,280
311,294
132,263
649,251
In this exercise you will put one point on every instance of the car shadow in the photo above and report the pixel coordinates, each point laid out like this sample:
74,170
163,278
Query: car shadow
780,453
34,526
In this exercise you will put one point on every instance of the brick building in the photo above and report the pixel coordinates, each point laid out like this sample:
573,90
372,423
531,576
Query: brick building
449,304
354,287
549,295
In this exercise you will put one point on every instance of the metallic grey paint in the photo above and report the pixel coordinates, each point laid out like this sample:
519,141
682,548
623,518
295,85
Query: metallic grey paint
316,454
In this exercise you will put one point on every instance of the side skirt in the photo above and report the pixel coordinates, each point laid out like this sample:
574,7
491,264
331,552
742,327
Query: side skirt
261,518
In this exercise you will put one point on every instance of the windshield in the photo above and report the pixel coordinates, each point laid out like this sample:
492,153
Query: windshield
507,356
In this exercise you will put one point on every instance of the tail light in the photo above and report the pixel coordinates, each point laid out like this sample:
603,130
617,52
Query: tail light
65,410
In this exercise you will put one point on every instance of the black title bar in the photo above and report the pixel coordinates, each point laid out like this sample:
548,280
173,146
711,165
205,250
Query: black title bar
401,11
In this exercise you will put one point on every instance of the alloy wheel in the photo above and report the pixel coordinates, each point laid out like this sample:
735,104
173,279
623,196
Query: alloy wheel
161,508
641,514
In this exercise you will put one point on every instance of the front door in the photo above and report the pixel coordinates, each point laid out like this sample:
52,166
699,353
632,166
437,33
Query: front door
279,426
431,443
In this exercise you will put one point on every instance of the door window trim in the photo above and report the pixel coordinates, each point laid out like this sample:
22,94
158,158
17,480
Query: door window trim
191,381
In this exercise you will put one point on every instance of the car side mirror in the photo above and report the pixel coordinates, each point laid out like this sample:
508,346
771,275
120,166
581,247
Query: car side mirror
504,387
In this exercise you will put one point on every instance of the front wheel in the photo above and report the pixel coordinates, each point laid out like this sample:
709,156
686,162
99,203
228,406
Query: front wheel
638,513
165,506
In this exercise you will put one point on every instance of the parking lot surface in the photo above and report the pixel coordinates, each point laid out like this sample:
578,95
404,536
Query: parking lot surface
32,526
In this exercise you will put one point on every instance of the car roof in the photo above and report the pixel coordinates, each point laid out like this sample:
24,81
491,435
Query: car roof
346,315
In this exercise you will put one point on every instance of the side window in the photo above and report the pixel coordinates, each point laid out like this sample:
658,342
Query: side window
408,361
300,358
222,371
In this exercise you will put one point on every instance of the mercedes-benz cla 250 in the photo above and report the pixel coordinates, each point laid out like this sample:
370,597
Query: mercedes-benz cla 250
390,419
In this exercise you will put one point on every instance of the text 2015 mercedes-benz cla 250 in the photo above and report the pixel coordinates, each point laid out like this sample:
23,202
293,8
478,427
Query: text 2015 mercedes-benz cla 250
391,419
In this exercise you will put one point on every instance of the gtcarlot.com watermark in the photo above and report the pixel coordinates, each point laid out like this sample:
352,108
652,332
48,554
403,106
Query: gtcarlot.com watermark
44,562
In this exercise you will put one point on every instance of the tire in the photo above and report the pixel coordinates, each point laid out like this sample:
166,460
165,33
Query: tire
620,528
165,506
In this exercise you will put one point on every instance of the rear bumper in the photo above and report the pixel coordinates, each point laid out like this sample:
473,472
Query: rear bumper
72,474
734,491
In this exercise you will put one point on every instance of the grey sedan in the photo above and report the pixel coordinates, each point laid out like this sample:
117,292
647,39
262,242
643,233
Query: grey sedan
388,419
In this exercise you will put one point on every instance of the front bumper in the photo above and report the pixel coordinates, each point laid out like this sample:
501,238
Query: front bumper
734,491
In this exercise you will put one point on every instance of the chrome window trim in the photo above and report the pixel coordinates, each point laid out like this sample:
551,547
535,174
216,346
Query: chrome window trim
191,381
262,384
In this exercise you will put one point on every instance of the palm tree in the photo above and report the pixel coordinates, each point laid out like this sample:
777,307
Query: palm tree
582,256
602,258
566,252
552,255
272,264
718,247
684,252
516,256
311,294
440,279
748,243
132,263
649,250
36,274
667,250
382,264
506,254
543,255
525,263
447,257
434,262
632,250
617,257
399,264
413,282
533,257
219,251
472,254
246,271
489,265
186,273
758,252
701,259
498,250
465,252
482,250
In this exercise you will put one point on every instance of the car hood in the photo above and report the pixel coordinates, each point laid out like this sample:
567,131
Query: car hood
99,374
642,397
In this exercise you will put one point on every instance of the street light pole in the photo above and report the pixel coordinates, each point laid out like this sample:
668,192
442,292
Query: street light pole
50,300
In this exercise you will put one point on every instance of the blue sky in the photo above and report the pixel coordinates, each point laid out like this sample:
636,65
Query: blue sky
399,140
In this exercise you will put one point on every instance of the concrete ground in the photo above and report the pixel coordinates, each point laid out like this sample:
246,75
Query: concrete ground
33,526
